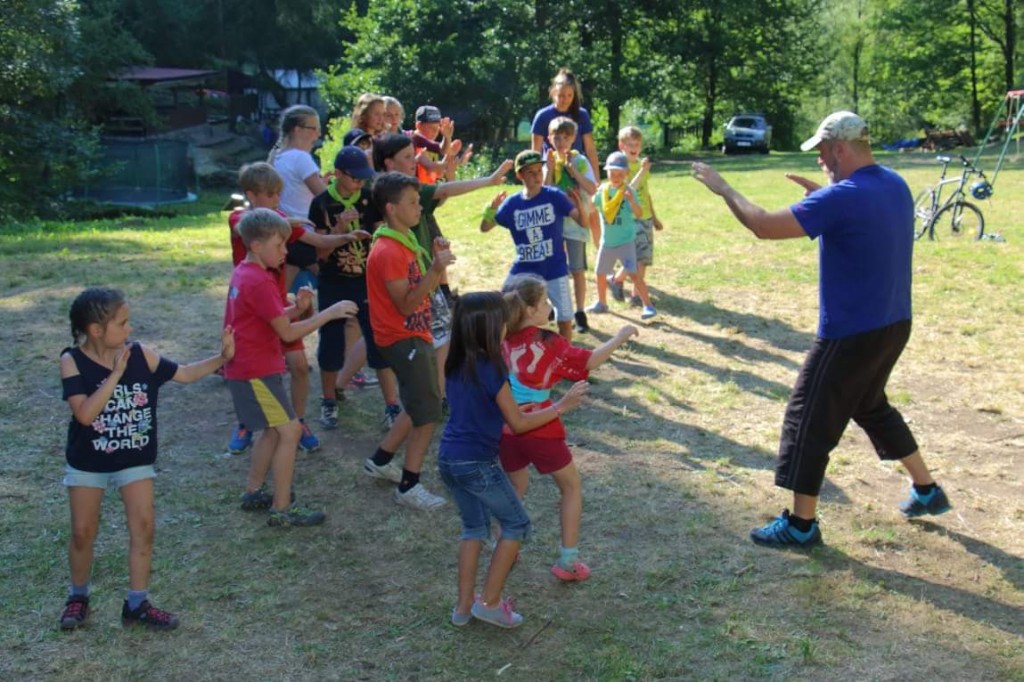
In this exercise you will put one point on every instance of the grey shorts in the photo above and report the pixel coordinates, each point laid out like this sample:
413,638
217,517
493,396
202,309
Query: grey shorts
261,403
645,241
576,252
415,365
608,255
76,478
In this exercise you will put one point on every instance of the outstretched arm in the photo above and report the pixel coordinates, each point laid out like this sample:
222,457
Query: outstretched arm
454,189
781,224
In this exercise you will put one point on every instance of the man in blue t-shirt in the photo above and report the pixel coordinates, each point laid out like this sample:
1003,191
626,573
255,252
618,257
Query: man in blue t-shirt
863,221
534,219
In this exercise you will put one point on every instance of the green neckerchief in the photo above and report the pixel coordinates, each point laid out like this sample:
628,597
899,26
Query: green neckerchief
346,204
408,241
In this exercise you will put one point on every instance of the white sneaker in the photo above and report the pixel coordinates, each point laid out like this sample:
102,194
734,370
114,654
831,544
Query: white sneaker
389,472
418,497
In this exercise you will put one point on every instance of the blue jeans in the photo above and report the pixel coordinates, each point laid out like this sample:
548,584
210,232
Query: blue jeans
482,490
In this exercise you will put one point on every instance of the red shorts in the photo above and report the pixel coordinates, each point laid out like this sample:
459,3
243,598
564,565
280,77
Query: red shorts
547,455
294,345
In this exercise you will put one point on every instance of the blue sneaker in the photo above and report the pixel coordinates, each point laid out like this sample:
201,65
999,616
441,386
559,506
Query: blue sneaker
934,503
780,533
648,312
308,441
597,308
240,440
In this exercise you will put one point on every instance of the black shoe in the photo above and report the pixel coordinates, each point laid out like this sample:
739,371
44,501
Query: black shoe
149,616
581,325
76,610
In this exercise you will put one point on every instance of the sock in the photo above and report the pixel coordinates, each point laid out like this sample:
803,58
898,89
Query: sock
409,481
567,557
802,525
328,402
924,490
78,590
135,598
382,457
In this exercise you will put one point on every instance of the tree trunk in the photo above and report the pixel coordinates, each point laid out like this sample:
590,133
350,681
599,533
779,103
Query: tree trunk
615,92
972,17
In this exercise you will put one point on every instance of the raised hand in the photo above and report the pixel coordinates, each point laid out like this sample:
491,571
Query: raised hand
710,178
574,396
808,185
498,177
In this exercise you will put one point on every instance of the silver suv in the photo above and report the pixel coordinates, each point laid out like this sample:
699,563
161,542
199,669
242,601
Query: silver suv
747,132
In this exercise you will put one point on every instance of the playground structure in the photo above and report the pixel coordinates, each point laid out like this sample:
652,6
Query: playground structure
1006,123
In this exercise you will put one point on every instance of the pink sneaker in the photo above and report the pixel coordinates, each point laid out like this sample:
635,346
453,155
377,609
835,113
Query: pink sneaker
579,572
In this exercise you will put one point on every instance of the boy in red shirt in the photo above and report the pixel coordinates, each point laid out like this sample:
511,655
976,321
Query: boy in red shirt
261,322
399,282
262,186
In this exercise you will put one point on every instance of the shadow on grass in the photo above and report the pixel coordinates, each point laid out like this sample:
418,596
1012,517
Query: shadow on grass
1010,566
745,380
774,331
971,606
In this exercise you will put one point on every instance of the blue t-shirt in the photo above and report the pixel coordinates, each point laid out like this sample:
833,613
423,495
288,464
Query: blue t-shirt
866,229
474,426
536,228
124,433
543,118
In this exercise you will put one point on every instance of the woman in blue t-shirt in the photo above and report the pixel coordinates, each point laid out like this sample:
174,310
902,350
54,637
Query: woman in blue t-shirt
566,100
111,385
481,401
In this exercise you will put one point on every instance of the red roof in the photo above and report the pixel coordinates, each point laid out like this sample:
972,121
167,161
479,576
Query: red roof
157,74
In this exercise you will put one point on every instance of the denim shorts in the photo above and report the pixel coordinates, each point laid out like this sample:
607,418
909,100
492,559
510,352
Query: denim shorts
75,478
482,490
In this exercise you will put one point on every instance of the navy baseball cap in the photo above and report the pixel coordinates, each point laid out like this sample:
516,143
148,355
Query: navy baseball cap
355,136
428,114
352,161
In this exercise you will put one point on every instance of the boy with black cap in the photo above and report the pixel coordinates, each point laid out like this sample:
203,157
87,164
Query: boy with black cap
534,219
340,210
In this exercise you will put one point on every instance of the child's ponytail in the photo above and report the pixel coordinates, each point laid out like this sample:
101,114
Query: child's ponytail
522,292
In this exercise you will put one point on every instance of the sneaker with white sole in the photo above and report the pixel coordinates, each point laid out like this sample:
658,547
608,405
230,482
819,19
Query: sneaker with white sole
502,614
387,472
418,497
597,308
648,312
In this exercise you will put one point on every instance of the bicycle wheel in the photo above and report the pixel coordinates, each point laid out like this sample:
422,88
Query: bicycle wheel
924,211
960,220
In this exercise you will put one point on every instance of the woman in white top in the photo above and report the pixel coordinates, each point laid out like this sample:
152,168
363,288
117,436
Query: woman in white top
291,158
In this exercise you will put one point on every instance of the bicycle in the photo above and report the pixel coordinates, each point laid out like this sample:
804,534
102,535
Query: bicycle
965,219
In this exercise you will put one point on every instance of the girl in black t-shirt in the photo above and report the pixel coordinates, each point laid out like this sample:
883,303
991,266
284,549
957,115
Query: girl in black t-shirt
111,385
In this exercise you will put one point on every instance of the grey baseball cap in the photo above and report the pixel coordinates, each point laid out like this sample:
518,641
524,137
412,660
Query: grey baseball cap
840,125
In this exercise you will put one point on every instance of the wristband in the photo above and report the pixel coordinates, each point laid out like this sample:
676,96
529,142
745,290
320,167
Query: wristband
490,213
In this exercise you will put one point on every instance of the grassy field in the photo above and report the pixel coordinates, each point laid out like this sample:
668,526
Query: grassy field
676,447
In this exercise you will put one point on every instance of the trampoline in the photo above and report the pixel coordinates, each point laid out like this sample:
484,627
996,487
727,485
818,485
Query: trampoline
141,173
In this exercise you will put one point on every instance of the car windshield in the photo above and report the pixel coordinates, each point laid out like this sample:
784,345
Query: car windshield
745,122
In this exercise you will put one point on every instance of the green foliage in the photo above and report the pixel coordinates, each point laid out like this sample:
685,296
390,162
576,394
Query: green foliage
466,58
